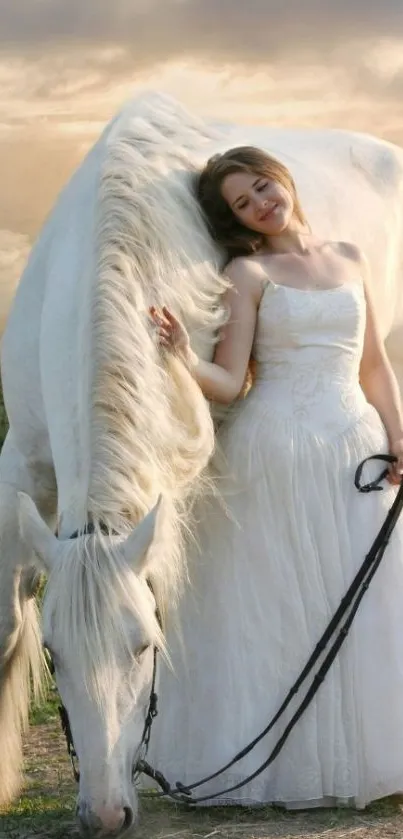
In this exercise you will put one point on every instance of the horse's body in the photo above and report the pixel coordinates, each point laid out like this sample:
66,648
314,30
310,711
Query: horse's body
98,429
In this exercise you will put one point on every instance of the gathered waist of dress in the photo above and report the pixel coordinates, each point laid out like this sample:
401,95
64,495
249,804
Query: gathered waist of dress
327,399
340,367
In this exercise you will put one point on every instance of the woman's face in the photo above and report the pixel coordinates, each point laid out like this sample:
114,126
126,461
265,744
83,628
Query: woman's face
258,202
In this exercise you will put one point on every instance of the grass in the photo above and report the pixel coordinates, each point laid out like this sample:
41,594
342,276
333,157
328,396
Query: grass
42,815
47,803
46,711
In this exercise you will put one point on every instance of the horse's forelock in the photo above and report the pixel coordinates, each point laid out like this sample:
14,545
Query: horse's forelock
93,597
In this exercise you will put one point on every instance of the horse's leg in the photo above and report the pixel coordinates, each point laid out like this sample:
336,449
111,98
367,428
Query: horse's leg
21,659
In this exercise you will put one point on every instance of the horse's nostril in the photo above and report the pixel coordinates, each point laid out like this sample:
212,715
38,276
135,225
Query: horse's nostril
129,816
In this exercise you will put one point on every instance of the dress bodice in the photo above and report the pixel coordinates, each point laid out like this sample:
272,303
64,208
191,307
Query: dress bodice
308,346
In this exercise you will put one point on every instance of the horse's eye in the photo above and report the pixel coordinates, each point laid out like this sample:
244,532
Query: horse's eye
141,650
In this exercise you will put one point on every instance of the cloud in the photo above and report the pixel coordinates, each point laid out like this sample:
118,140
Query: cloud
66,66
255,31
75,51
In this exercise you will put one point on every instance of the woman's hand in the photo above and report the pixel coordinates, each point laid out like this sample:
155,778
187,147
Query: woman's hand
172,334
396,469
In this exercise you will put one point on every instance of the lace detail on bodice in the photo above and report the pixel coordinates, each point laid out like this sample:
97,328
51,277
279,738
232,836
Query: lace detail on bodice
308,346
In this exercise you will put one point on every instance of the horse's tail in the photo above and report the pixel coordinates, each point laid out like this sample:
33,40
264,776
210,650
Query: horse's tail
22,664
21,671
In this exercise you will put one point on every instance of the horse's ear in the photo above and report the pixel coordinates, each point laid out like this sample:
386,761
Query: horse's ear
35,532
140,539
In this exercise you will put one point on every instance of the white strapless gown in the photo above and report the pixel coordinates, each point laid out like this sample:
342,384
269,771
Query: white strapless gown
272,569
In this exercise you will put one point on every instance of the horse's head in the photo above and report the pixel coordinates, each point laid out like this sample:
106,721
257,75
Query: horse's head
100,625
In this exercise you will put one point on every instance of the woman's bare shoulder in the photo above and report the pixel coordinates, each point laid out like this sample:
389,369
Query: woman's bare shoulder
246,273
349,251
243,264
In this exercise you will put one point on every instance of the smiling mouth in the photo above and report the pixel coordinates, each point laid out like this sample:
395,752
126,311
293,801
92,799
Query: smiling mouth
268,213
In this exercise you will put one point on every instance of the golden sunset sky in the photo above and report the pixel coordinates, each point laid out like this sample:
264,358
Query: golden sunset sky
66,66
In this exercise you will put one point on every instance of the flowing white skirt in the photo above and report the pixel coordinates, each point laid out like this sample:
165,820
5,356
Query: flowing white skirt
268,576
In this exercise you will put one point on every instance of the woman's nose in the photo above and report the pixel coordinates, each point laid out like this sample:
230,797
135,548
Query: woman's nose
261,205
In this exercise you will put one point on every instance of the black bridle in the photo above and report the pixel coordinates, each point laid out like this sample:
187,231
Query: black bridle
346,612
65,723
152,712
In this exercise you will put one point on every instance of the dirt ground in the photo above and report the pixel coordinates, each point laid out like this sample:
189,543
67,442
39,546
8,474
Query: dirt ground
46,809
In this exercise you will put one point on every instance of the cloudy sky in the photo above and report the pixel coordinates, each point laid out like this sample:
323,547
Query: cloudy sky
67,65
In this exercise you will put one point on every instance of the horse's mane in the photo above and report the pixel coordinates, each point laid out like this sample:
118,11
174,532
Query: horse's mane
150,429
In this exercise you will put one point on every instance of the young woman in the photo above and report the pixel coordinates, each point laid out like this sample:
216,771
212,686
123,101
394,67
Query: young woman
276,558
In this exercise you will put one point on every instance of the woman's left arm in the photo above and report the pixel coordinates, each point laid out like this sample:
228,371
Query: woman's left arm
379,383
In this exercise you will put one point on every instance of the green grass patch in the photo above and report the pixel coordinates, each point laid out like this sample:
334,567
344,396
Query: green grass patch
40,816
46,711
41,805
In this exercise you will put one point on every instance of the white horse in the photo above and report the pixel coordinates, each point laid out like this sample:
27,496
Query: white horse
101,425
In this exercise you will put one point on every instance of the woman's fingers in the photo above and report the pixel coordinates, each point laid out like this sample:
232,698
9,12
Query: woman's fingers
163,328
169,316
158,318
164,317
395,473
171,333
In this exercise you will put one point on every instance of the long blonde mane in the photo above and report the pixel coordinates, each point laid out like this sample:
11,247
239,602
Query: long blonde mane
150,427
